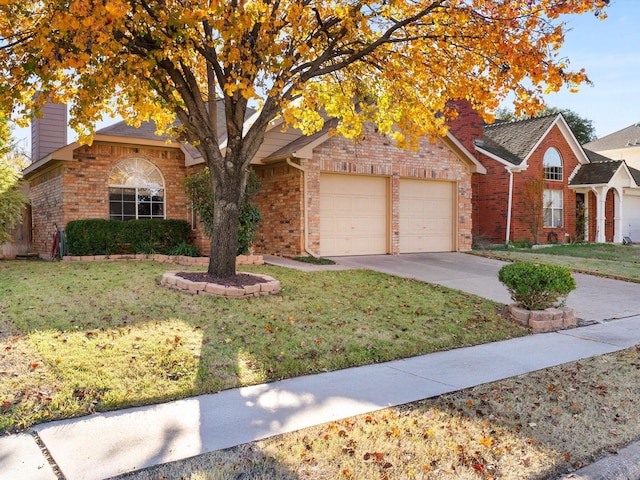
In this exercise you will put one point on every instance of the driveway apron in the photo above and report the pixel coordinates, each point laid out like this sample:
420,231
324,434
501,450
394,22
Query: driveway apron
594,300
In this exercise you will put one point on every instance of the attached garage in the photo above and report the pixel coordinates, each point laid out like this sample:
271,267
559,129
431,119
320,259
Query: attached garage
353,215
427,214
631,216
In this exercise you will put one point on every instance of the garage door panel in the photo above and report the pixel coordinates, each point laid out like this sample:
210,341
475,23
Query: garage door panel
353,215
631,217
426,216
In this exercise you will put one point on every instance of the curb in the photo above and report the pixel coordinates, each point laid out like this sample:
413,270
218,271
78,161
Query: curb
624,465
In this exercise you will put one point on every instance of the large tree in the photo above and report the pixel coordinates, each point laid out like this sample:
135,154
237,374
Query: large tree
392,62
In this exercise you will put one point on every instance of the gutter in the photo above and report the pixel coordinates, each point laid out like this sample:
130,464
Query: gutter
305,207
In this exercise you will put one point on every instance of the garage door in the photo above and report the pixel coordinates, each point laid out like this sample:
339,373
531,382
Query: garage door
353,215
631,216
426,216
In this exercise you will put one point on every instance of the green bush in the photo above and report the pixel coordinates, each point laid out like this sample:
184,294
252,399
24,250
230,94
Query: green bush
537,287
185,249
107,237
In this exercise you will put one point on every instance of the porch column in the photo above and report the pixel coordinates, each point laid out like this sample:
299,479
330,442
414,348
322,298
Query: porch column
601,198
618,198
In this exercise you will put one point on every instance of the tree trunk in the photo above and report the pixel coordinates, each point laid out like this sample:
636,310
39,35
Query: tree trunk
228,194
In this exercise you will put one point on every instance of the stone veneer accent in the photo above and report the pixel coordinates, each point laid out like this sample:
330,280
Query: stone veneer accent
541,321
175,260
270,287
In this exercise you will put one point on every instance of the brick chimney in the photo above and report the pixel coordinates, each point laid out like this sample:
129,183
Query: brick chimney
468,126
49,132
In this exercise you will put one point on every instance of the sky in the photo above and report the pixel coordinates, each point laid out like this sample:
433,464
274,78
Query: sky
608,49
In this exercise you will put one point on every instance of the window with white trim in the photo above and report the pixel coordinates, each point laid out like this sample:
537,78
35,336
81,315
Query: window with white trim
136,190
553,208
552,164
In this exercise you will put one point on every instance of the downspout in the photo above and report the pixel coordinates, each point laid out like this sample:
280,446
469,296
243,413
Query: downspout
305,207
509,202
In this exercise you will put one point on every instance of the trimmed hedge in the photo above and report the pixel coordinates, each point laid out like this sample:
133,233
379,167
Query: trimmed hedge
106,237
537,287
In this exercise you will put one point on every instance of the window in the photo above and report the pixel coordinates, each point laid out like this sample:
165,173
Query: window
136,190
553,208
552,164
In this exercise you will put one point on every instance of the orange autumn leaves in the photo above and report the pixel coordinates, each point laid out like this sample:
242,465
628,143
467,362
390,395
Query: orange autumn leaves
148,59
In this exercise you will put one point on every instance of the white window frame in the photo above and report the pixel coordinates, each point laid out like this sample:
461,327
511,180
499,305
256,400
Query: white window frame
146,181
552,165
553,208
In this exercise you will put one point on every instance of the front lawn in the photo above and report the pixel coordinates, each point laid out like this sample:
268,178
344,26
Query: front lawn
83,337
614,261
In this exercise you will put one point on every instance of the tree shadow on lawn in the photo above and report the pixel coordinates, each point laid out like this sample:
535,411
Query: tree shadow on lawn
106,335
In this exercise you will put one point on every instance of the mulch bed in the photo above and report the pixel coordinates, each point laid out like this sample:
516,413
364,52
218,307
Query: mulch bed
239,280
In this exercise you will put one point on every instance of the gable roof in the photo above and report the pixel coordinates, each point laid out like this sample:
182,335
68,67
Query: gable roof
596,173
512,143
628,137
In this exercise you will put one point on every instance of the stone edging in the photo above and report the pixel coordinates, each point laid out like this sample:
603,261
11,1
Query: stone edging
171,280
541,321
173,259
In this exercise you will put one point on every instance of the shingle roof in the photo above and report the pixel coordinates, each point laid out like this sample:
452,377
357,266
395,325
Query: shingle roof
627,137
147,130
304,140
596,173
635,174
595,157
513,141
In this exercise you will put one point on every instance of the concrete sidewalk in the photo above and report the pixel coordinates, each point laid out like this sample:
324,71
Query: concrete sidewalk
104,445
108,444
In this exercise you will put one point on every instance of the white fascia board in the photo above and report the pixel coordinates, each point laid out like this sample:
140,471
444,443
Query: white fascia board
568,136
508,165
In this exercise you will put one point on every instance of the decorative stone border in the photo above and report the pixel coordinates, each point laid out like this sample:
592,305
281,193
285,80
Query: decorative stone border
176,260
172,280
541,321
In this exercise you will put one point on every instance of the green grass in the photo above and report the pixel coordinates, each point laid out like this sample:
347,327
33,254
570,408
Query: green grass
82,337
614,261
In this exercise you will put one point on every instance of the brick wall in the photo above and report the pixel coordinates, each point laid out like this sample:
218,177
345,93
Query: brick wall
491,195
78,189
46,207
281,205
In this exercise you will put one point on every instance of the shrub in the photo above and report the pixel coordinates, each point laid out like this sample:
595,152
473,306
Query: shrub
185,249
537,287
106,237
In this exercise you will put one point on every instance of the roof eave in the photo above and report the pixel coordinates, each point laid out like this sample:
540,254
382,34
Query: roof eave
463,154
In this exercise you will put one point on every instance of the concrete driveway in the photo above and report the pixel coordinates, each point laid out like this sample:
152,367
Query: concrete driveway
595,299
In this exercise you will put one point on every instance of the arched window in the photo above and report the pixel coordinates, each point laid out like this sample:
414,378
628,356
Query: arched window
552,164
136,190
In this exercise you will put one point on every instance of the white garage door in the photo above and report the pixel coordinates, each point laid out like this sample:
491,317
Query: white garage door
353,215
427,213
631,218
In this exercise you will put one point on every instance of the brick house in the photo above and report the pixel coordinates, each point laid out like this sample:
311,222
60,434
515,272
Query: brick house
321,194
541,158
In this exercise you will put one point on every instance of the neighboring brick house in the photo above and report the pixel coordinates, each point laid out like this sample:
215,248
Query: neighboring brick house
320,194
624,145
541,158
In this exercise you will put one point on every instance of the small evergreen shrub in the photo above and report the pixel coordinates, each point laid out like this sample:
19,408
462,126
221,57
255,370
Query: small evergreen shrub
537,287
108,237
